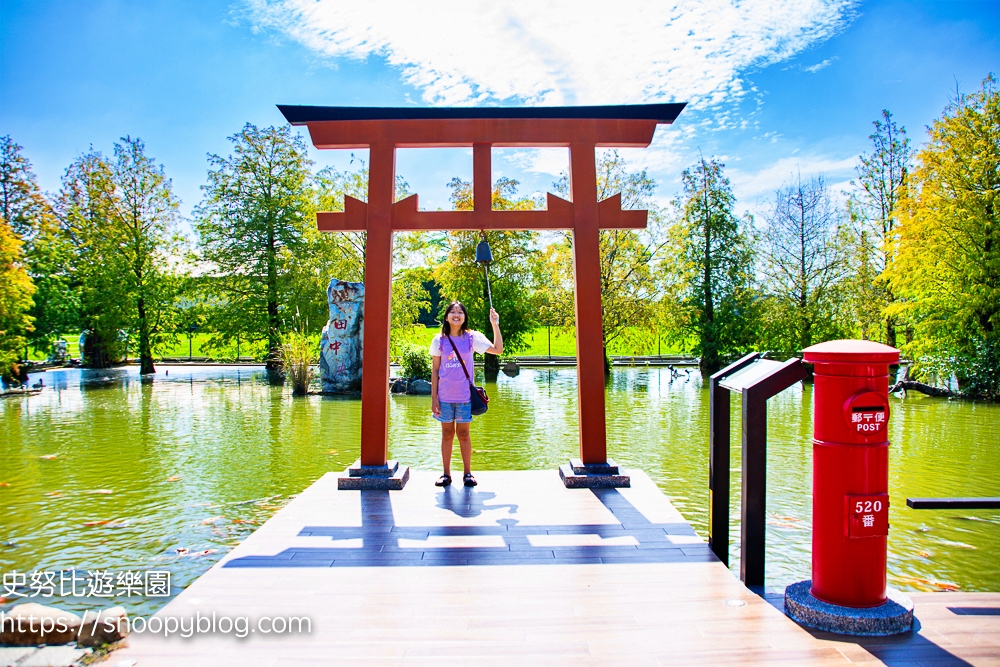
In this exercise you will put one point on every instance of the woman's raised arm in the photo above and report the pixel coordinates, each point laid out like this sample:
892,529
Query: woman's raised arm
497,348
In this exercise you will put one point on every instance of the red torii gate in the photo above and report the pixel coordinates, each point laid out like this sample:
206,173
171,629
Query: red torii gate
383,130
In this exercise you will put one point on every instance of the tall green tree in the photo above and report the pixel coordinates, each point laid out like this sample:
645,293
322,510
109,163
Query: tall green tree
120,216
874,207
803,266
251,222
947,257
84,209
29,214
713,268
143,219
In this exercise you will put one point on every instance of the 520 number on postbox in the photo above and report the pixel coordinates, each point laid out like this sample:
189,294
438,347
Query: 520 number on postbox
866,516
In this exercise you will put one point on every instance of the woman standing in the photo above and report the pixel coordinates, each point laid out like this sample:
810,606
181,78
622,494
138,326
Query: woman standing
450,399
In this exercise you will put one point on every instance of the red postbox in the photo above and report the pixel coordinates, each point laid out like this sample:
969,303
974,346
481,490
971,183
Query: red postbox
850,470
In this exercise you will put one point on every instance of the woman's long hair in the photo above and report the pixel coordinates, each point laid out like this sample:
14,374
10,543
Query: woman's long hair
446,327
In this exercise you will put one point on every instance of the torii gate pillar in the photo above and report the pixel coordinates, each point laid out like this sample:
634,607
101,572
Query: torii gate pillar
382,130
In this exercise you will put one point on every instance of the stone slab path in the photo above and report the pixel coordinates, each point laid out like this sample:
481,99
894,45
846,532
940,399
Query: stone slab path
518,570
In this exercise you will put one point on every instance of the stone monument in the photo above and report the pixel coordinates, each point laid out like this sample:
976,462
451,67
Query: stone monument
340,344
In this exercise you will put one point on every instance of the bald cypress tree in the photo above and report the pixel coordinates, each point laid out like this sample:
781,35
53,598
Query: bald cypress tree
251,223
715,265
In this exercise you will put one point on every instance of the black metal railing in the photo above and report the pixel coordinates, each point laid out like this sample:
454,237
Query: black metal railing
756,379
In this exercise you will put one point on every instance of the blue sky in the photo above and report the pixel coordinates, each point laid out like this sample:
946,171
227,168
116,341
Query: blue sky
775,86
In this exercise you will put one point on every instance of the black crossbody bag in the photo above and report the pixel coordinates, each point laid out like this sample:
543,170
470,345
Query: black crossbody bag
477,395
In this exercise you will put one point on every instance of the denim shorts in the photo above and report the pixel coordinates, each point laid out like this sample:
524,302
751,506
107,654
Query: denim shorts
460,413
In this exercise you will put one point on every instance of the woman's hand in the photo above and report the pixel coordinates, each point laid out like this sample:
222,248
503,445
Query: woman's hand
497,336
435,406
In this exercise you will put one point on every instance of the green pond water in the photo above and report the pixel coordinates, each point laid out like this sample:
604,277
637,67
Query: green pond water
172,472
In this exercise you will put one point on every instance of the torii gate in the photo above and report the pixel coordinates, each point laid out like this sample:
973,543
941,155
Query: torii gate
383,130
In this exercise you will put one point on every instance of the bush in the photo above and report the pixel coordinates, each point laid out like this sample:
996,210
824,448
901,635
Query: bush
978,371
297,356
416,363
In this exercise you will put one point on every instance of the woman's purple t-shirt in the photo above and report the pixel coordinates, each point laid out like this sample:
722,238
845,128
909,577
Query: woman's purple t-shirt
453,386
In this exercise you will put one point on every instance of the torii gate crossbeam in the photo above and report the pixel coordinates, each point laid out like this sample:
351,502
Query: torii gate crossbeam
383,130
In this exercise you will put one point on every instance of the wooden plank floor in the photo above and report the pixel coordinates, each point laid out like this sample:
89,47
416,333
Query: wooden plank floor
518,570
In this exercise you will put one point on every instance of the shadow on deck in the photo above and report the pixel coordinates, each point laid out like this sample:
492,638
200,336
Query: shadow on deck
634,539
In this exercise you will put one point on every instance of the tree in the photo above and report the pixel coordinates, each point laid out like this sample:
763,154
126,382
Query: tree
803,266
864,294
629,293
462,279
23,206
712,268
84,210
143,215
252,220
120,216
46,255
49,258
874,206
947,262
16,290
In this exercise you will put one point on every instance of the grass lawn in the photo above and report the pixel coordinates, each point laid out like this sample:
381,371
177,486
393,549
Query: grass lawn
72,348
561,342
176,349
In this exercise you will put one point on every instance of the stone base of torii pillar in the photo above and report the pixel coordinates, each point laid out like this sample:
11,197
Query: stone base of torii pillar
390,477
578,475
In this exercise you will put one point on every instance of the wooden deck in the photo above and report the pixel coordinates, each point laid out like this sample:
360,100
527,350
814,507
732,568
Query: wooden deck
518,570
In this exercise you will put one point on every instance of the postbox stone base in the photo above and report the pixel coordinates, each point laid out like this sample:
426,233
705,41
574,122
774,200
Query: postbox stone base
390,477
578,475
891,618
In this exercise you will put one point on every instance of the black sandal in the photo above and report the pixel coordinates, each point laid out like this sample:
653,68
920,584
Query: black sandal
443,480
469,480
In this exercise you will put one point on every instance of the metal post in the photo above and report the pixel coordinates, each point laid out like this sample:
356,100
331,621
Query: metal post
719,455
754,488
718,471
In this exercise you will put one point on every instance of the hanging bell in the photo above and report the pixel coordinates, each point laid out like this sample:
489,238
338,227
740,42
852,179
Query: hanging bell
483,253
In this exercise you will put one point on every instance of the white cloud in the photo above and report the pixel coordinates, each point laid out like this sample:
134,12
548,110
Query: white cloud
812,69
466,52
551,161
761,184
